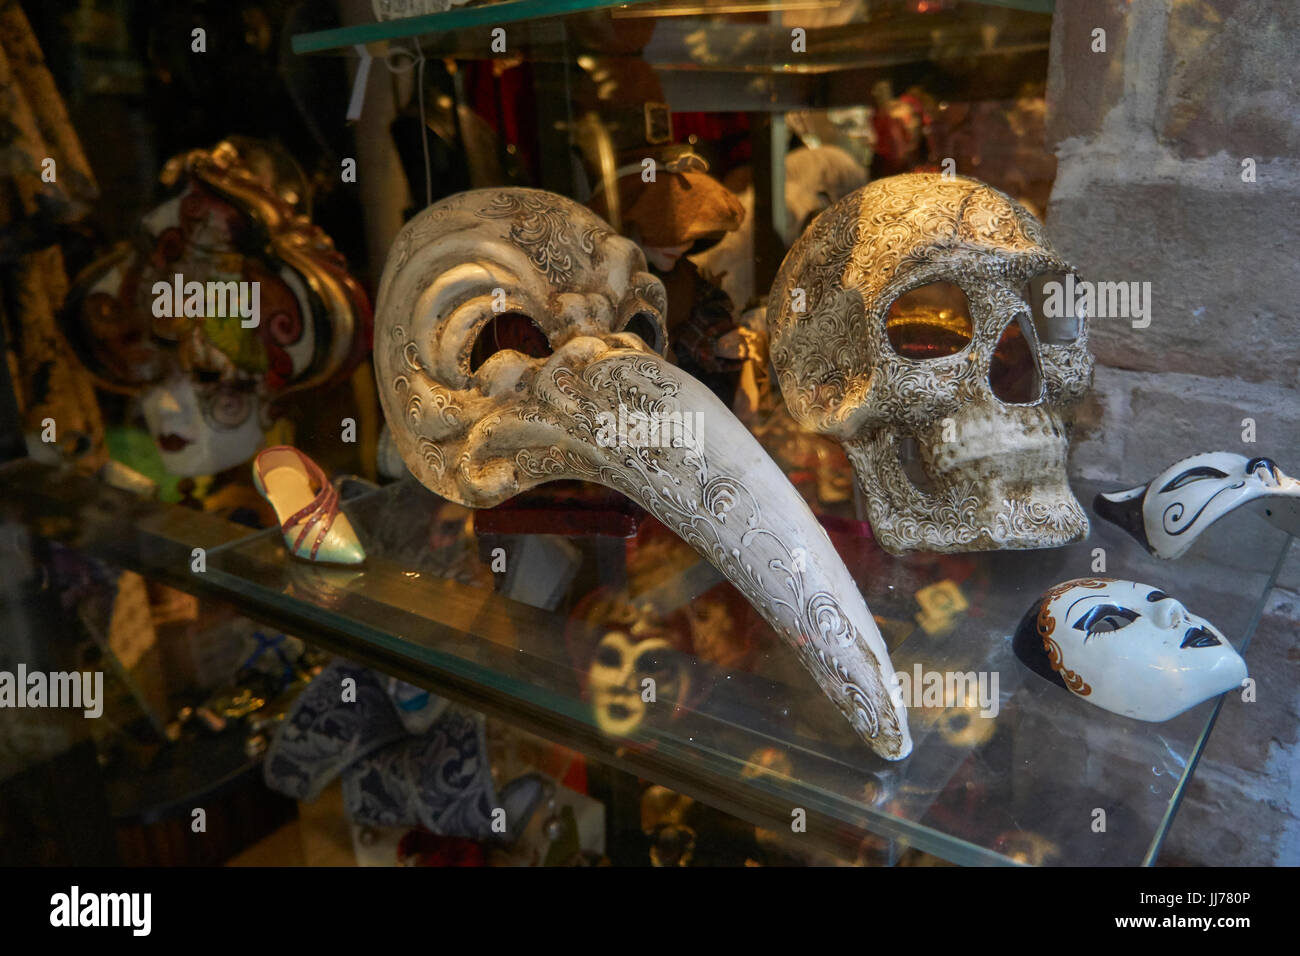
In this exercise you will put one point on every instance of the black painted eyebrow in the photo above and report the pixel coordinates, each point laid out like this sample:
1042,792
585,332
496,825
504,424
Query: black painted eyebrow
1193,474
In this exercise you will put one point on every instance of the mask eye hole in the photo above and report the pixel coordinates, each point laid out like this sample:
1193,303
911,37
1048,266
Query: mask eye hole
509,331
609,657
930,321
644,326
1057,318
1013,371
1104,618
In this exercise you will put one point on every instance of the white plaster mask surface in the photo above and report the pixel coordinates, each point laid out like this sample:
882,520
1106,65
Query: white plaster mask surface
907,323
1128,648
1168,514
481,433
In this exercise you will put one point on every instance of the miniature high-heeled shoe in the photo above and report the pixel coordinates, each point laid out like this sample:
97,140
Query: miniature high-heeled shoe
307,505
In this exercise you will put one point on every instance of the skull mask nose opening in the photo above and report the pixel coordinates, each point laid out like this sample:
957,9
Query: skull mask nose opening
1013,372
909,459
510,331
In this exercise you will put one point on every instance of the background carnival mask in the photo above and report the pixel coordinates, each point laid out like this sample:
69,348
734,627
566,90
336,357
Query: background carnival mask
1128,648
907,323
206,382
512,325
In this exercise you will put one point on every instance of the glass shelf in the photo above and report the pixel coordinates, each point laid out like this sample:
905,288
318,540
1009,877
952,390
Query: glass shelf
730,36
342,39
737,725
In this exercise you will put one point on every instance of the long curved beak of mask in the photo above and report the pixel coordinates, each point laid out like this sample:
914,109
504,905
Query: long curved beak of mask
628,419
649,430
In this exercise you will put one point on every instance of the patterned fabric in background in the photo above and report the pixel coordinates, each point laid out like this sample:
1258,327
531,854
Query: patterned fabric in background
441,780
407,758
323,734
34,128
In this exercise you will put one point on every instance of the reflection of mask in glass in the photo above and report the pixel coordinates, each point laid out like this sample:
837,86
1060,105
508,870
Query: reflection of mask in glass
616,678
1168,514
201,427
1127,647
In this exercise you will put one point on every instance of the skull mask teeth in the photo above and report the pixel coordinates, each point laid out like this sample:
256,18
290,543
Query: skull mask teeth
585,344
907,321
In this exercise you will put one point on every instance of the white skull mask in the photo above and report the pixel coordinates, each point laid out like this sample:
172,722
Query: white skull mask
1127,647
909,316
1168,514
591,319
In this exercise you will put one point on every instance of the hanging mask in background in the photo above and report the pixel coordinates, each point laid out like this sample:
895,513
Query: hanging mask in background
227,301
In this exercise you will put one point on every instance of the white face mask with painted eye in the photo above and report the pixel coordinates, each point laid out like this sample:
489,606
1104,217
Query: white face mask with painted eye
1168,514
1128,648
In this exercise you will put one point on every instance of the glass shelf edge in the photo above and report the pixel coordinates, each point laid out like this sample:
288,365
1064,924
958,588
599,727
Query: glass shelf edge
512,11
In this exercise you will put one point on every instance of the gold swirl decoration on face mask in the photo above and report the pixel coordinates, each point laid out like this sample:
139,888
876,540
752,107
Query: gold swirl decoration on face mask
1047,625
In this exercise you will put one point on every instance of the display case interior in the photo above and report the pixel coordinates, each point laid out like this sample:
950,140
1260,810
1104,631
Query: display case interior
673,432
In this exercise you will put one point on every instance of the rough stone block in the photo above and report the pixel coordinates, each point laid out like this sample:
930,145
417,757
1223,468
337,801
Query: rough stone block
1257,112
1135,424
1221,263
1083,86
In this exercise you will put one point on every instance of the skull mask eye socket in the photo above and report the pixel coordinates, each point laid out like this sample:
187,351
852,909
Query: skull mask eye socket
930,321
509,331
1057,320
1013,371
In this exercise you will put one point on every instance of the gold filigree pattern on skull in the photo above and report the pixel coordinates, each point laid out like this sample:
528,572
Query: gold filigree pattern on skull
994,464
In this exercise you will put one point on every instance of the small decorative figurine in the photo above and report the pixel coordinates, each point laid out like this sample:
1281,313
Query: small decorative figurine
907,323
519,340
1169,513
1128,648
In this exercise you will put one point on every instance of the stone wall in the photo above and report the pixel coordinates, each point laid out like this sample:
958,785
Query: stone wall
1150,137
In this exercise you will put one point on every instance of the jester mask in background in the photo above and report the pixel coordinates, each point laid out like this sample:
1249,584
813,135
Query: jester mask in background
227,301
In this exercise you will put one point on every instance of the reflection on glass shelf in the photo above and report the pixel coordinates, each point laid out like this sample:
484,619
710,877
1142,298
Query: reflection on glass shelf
1007,768
730,35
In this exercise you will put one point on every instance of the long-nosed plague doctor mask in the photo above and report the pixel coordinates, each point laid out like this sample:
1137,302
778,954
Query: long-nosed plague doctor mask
513,326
